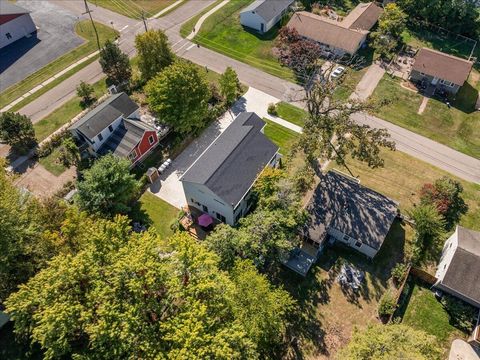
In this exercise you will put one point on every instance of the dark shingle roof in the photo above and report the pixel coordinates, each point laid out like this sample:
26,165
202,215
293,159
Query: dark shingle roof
342,203
463,273
230,165
104,114
441,65
268,9
7,8
363,17
122,141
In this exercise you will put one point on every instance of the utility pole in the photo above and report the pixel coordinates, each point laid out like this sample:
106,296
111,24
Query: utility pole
89,12
143,18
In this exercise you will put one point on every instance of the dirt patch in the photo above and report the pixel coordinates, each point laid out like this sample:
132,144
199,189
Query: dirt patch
408,85
42,183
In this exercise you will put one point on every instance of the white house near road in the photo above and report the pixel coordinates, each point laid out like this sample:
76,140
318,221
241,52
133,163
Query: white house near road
262,15
15,23
458,272
219,182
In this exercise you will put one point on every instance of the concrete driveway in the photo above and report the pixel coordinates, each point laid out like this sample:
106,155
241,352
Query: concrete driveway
55,37
168,187
368,83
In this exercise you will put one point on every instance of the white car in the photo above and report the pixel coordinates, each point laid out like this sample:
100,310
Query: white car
337,72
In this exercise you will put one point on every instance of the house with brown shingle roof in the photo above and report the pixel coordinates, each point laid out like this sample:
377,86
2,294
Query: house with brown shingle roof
444,71
338,37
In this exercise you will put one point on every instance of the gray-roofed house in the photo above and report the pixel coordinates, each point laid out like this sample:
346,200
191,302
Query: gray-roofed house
262,15
15,23
350,213
114,126
219,181
458,272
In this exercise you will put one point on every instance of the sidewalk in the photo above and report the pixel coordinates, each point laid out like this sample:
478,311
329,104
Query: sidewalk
167,9
200,21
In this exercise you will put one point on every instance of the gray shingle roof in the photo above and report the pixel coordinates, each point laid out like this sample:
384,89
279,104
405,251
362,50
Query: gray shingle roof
463,273
268,9
104,114
230,165
7,8
122,141
342,203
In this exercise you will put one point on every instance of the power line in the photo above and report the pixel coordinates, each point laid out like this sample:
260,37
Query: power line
89,12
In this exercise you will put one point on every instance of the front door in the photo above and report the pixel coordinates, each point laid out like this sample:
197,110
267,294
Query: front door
435,81
262,27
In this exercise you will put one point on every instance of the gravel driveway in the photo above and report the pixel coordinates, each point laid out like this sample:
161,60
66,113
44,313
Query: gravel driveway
56,36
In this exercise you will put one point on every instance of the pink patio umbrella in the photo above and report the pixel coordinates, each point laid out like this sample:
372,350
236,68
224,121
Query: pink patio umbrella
205,220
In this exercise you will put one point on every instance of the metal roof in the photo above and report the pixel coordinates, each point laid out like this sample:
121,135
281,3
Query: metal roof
231,164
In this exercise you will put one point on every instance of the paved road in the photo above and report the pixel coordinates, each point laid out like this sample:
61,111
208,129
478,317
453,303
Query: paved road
439,155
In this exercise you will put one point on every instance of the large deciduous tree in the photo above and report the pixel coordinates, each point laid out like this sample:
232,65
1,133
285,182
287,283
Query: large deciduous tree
115,64
127,295
17,130
388,36
396,341
179,96
108,187
154,53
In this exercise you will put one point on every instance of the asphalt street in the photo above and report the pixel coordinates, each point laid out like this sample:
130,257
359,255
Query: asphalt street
434,153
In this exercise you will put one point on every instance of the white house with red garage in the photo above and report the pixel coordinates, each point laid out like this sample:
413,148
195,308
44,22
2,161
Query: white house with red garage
115,127
15,23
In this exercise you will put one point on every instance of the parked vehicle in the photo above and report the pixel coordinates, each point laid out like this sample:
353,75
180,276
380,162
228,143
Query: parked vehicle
337,72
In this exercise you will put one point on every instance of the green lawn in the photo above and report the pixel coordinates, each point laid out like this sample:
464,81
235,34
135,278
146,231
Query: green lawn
64,114
402,177
347,87
157,213
425,312
134,8
187,27
457,127
291,113
283,137
50,163
223,33
83,29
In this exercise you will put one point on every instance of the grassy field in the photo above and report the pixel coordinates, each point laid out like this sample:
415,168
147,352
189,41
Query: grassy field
155,212
402,177
187,27
457,127
291,113
347,87
83,29
64,114
281,136
50,163
223,33
425,312
134,8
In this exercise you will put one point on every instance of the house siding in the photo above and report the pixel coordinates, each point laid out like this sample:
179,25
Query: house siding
17,28
254,21
452,292
364,248
201,195
417,76
144,146
447,255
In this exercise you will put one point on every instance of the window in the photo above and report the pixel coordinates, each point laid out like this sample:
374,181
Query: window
193,200
423,74
100,137
110,127
8,35
238,216
132,155
358,244
205,209
221,217
151,139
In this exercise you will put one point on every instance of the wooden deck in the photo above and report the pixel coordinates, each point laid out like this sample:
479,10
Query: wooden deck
190,223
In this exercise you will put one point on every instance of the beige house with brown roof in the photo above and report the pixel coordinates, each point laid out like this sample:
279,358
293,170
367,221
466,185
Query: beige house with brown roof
338,37
444,71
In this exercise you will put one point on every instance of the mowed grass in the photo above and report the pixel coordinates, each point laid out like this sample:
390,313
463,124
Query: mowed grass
281,136
51,164
223,33
425,312
188,26
402,177
291,113
84,29
457,127
134,8
64,113
157,213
